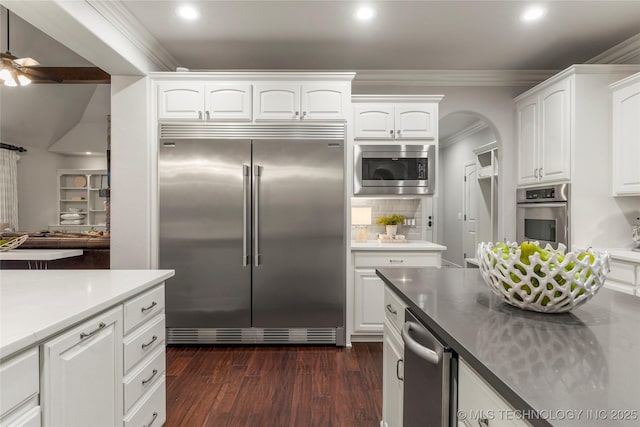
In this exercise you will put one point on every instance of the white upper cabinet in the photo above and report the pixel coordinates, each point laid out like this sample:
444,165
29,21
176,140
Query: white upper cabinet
292,101
228,102
277,101
416,121
199,101
626,137
180,101
395,119
544,135
374,121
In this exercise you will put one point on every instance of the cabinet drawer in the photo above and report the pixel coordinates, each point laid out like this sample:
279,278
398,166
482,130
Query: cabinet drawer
143,378
622,272
394,309
30,418
150,411
19,379
143,307
143,342
397,259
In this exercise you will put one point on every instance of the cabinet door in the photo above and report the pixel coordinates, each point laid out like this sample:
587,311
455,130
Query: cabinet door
527,113
277,101
392,371
416,121
324,102
82,374
368,310
180,101
555,132
228,101
374,121
626,141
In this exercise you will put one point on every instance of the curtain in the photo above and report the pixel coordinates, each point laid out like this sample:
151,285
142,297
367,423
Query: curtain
9,188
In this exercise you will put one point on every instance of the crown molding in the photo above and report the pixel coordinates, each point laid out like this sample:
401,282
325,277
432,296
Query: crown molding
620,53
462,134
117,14
451,77
248,75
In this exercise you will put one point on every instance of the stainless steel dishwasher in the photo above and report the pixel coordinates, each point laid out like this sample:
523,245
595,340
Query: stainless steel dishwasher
430,377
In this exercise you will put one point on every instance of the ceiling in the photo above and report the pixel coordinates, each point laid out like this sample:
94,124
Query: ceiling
409,35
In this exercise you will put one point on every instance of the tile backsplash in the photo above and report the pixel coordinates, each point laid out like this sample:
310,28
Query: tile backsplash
410,208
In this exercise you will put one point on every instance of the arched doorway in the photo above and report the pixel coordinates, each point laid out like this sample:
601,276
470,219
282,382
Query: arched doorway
468,164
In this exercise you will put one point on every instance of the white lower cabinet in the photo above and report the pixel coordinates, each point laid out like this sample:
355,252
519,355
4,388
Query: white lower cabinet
368,293
392,360
624,277
480,405
19,390
82,374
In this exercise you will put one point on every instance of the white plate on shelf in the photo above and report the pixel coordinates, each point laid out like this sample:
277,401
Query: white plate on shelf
79,181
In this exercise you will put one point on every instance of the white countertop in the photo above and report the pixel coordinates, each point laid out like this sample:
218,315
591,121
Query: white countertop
37,304
39,254
410,245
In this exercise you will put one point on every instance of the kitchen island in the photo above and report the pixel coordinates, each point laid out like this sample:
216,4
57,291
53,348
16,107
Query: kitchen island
577,368
76,346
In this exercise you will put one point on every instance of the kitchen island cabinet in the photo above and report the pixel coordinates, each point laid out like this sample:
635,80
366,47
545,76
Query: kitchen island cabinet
569,369
71,330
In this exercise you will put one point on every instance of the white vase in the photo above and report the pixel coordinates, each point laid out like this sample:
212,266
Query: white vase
391,230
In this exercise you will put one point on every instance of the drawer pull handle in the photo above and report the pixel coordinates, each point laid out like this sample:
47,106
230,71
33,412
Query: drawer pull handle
144,309
398,369
84,335
148,380
396,261
150,342
155,415
391,310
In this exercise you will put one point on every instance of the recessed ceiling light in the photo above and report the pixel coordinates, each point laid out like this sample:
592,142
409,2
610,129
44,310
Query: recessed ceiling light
187,12
533,13
364,13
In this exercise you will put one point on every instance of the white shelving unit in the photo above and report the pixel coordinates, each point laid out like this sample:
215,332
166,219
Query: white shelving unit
487,173
79,193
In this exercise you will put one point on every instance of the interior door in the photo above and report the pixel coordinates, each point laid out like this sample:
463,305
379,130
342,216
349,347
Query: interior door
469,211
298,279
204,191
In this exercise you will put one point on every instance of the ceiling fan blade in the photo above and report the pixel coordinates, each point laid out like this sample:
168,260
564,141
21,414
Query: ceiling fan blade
8,55
26,62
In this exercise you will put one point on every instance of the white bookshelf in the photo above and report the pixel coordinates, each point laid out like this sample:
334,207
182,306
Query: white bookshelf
79,194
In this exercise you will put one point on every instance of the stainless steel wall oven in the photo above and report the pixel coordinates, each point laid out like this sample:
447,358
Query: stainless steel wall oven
543,214
394,169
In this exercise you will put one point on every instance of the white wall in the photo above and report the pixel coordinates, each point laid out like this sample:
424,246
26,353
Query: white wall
131,172
452,159
37,185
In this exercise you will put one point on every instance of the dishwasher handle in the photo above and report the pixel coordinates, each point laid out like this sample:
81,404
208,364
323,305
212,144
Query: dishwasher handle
416,348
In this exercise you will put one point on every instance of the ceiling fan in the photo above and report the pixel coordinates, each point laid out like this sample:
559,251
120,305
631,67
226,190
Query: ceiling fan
16,71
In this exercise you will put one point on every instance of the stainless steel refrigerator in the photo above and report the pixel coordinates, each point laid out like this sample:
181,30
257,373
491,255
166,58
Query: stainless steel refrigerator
252,221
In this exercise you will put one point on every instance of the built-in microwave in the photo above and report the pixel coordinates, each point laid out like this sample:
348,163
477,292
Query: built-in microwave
394,169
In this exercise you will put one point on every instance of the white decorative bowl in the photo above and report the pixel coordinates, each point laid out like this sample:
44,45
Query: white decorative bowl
558,284
14,243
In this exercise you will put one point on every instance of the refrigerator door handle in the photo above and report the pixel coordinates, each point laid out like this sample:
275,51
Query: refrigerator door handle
256,214
246,172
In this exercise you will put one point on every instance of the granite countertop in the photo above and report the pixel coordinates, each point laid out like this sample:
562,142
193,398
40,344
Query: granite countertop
587,359
410,245
37,304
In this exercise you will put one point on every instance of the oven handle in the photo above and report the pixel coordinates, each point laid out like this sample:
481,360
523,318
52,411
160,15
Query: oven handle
543,205
419,350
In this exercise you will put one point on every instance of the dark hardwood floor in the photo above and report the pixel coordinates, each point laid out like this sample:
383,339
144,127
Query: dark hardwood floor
274,386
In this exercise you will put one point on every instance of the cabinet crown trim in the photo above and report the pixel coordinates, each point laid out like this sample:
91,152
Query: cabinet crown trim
213,76
634,78
396,98
580,69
